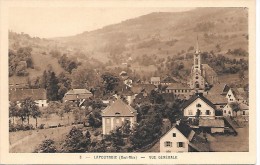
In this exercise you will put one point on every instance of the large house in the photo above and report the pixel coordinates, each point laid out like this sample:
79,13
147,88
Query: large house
38,95
181,138
116,114
77,95
198,106
179,89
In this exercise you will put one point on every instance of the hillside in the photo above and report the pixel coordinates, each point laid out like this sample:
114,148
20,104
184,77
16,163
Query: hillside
166,34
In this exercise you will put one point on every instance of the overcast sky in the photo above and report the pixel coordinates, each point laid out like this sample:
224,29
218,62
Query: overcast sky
58,22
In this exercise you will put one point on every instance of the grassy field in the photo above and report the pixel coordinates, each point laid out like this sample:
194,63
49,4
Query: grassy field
27,141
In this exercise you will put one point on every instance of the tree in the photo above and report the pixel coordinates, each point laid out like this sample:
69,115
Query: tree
235,107
47,146
29,108
52,87
75,142
110,82
35,114
13,110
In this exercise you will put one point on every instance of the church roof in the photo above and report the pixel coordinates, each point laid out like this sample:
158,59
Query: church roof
195,97
119,108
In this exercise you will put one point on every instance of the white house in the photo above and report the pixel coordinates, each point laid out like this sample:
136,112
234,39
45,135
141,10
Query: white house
227,110
176,139
181,138
116,114
231,96
199,106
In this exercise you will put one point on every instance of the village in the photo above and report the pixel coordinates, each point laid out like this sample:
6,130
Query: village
163,114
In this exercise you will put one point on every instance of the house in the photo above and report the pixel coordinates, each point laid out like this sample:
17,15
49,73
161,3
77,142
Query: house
116,114
77,95
155,81
243,109
18,82
198,106
179,89
181,138
212,125
142,97
38,95
228,110
231,96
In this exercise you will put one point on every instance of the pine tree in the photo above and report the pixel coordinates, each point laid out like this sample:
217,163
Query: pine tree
52,87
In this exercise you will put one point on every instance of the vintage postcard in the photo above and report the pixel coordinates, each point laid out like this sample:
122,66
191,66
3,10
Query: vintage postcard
128,82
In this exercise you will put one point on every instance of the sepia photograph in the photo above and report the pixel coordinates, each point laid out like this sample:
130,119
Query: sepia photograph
168,80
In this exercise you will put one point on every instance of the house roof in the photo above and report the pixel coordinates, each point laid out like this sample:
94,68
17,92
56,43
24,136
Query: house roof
18,80
168,79
211,123
78,91
137,88
119,108
178,86
21,94
226,89
243,106
217,99
184,129
155,79
195,97
218,88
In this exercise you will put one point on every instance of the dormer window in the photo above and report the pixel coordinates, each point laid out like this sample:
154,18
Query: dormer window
117,113
198,105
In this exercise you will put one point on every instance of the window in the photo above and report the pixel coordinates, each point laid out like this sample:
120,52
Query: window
173,134
221,106
198,105
225,111
207,112
168,144
42,105
180,144
229,112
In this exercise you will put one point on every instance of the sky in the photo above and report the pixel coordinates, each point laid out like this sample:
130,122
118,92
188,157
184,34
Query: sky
58,22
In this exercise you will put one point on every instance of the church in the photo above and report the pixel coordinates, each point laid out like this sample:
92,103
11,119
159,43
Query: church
202,75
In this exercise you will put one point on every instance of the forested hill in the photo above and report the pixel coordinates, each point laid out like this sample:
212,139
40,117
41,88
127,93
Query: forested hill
166,34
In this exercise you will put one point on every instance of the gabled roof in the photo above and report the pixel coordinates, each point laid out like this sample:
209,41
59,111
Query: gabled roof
78,91
226,89
243,106
185,130
137,88
168,79
217,99
178,86
218,88
155,79
195,97
216,123
21,94
119,108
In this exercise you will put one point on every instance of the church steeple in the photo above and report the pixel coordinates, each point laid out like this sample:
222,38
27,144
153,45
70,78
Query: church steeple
197,57
197,46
